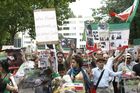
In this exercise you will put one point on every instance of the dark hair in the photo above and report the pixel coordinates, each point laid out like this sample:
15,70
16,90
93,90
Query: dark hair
59,52
100,59
78,60
5,65
61,67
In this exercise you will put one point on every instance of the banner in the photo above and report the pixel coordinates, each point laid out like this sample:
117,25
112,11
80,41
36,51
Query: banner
46,26
119,35
107,36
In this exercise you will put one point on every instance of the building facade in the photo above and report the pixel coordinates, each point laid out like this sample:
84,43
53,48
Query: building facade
74,28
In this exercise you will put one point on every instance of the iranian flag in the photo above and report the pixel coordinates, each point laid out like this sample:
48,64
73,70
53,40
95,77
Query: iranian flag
128,14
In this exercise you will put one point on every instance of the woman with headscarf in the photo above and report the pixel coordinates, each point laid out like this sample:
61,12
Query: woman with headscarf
78,74
6,76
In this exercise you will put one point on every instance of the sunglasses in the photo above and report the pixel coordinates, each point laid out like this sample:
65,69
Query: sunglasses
60,56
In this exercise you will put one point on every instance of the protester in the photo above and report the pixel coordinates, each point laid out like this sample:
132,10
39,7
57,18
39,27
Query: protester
128,66
102,86
136,68
77,73
6,77
65,61
4,86
110,64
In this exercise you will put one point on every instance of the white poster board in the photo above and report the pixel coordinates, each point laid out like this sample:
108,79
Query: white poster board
118,38
46,26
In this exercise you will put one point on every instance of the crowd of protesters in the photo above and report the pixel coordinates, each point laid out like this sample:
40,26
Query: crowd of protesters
104,73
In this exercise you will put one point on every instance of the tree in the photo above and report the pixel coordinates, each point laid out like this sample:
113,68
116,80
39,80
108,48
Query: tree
119,6
17,16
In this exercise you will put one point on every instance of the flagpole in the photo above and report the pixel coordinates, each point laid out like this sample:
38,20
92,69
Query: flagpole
56,62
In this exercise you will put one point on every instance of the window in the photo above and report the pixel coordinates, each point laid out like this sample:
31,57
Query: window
66,28
69,34
66,22
59,28
66,34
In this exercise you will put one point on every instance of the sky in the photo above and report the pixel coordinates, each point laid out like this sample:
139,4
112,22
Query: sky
83,7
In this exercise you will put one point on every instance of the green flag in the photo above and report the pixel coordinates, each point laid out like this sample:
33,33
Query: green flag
84,37
135,6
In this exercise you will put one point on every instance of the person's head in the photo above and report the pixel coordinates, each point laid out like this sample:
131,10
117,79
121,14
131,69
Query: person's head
128,58
61,69
76,61
100,62
79,54
4,66
60,57
99,54
105,56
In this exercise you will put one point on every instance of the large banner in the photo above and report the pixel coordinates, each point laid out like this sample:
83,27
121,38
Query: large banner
107,36
46,26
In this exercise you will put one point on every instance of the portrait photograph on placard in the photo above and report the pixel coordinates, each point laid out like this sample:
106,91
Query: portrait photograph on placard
104,45
104,36
65,42
115,35
95,35
90,41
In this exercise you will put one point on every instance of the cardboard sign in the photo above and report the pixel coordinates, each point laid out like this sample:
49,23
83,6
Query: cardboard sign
46,26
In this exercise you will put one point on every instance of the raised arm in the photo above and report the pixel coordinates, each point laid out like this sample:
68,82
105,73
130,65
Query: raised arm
72,48
119,55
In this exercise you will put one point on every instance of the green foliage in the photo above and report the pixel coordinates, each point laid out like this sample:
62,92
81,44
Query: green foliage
17,16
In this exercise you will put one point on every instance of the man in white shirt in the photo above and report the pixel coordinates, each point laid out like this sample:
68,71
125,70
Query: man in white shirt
112,62
103,86
127,65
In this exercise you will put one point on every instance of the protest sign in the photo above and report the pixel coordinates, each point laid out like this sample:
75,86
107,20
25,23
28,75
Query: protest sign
108,36
46,26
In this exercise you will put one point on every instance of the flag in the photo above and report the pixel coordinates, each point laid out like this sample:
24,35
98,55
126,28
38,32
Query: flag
122,47
93,48
128,14
84,37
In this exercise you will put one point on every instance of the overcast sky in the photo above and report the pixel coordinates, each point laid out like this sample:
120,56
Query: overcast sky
83,7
